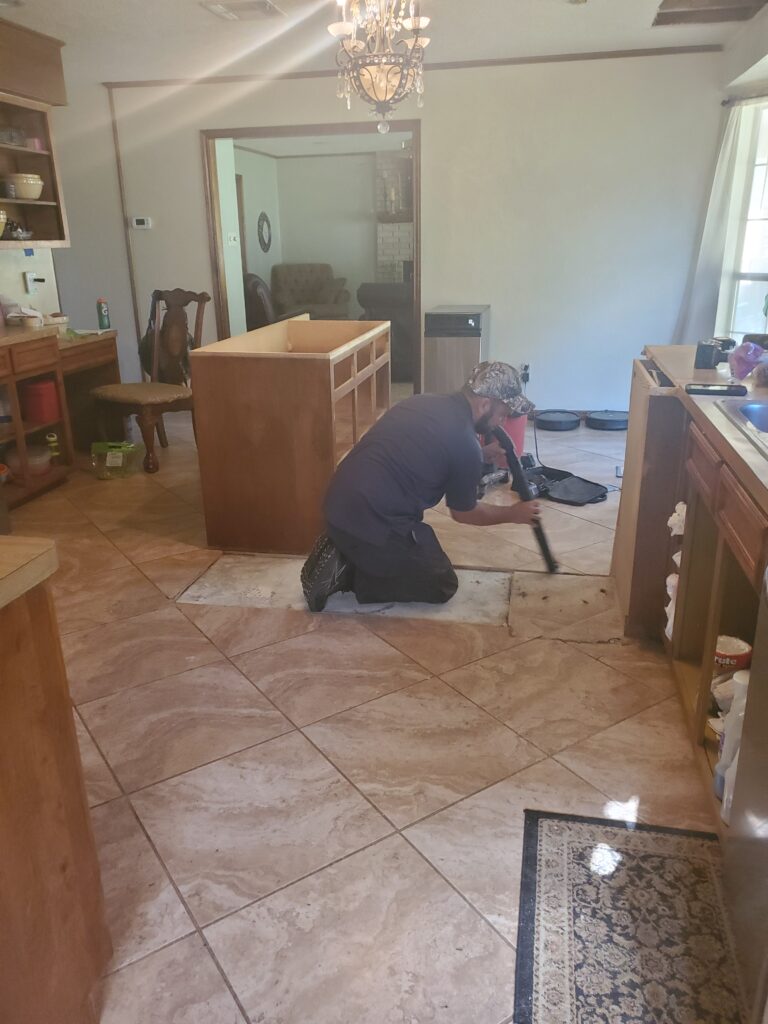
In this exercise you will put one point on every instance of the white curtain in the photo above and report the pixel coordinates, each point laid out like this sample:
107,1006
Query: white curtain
718,250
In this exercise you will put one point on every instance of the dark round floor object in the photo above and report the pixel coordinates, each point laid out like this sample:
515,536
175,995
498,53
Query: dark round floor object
557,419
607,419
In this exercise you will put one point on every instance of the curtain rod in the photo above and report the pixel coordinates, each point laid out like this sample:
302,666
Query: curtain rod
744,101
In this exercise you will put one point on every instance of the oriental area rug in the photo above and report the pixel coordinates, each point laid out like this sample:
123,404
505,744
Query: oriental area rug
622,924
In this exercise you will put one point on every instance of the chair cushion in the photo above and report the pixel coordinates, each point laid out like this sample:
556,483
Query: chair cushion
142,393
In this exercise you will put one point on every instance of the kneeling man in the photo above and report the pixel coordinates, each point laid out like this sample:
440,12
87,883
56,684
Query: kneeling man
422,450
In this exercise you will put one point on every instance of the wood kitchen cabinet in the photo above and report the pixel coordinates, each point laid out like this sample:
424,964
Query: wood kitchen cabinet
723,478
56,943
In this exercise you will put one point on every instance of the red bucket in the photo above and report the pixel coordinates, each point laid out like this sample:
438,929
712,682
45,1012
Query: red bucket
515,427
39,401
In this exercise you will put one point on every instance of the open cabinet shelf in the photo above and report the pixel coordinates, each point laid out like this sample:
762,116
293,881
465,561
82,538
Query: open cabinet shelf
45,217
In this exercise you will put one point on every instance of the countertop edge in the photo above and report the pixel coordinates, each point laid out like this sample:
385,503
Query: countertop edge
25,562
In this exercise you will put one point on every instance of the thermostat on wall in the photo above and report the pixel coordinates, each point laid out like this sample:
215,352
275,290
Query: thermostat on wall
141,222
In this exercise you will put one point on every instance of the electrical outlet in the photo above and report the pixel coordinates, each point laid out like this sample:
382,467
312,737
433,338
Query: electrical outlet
31,281
232,238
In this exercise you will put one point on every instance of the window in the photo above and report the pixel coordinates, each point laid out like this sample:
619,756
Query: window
743,303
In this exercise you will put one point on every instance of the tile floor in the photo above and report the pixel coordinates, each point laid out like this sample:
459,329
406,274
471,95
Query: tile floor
316,819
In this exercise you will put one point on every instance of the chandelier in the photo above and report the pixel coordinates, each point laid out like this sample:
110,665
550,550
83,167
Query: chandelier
381,53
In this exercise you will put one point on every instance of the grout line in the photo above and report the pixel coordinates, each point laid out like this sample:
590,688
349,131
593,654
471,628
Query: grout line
458,892
193,920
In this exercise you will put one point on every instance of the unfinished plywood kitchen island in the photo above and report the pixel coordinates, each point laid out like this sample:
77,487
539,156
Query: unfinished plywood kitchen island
275,411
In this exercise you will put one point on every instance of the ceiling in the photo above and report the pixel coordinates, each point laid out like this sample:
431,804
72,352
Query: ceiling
116,40
325,145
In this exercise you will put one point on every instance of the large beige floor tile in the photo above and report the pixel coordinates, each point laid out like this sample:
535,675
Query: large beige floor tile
244,826
132,504
646,763
118,655
97,598
564,532
100,785
377,939
442,646
316,675
644,661
478,843
147,540
421,749
85,550
50,515
550,693
477,547
594,560
604,513
174,573
238,630
151,732
176,985
143,911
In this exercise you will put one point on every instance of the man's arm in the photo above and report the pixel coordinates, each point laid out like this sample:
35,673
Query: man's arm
485,514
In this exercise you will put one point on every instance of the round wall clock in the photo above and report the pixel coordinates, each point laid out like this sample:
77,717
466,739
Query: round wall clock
265,232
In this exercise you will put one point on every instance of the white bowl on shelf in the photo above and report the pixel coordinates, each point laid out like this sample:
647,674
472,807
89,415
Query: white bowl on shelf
3,221
39,459
27,186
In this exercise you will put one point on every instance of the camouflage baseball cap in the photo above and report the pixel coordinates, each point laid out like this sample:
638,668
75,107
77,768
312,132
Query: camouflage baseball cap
502,381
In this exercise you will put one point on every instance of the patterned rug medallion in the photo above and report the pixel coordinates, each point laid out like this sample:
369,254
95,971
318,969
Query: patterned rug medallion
622,924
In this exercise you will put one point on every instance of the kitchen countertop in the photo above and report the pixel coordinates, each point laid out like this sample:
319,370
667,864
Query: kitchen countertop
25,562
10,335
737,452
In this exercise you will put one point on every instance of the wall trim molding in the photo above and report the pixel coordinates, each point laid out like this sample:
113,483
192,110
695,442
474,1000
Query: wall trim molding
457,65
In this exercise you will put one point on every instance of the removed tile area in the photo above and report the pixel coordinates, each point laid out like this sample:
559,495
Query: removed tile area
565,607
269,581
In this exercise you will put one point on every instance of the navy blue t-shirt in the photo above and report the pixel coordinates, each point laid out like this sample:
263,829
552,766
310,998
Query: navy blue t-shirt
422,449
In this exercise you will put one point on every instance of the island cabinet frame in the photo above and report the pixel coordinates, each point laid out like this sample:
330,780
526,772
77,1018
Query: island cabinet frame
275,411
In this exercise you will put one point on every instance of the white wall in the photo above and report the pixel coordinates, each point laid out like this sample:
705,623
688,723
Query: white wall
259,195
328,215
14,264
230,235
96,264
567,195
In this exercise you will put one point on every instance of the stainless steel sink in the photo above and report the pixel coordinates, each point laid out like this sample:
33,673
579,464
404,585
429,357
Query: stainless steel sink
750,416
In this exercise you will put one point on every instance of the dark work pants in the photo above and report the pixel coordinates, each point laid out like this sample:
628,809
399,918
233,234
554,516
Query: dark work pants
405,568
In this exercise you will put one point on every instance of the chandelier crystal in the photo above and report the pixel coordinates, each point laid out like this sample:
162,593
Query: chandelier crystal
381,53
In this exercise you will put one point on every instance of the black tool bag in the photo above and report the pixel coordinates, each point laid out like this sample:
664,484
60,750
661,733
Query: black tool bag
559,485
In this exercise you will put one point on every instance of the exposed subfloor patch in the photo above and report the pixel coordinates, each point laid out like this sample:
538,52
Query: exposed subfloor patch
272,581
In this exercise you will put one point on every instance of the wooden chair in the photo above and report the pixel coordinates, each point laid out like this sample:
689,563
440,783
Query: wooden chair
168,389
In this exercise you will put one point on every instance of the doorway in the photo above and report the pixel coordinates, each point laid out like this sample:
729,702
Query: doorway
327,218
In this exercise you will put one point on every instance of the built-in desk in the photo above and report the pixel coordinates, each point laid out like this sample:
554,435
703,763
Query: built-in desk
76,365
55,941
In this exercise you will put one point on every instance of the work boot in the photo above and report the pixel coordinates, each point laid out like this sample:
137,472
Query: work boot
325,572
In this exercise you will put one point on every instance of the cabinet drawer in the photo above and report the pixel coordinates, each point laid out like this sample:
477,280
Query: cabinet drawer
744,526
82,357
703,465
5,362
29,356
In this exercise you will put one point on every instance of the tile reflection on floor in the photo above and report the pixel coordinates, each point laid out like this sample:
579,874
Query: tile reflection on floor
320,817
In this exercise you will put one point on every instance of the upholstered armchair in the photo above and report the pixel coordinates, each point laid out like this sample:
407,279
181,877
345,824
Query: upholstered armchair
311,287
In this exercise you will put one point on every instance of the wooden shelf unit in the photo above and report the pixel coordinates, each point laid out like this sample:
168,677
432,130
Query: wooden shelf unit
35,359
45,217
275,411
